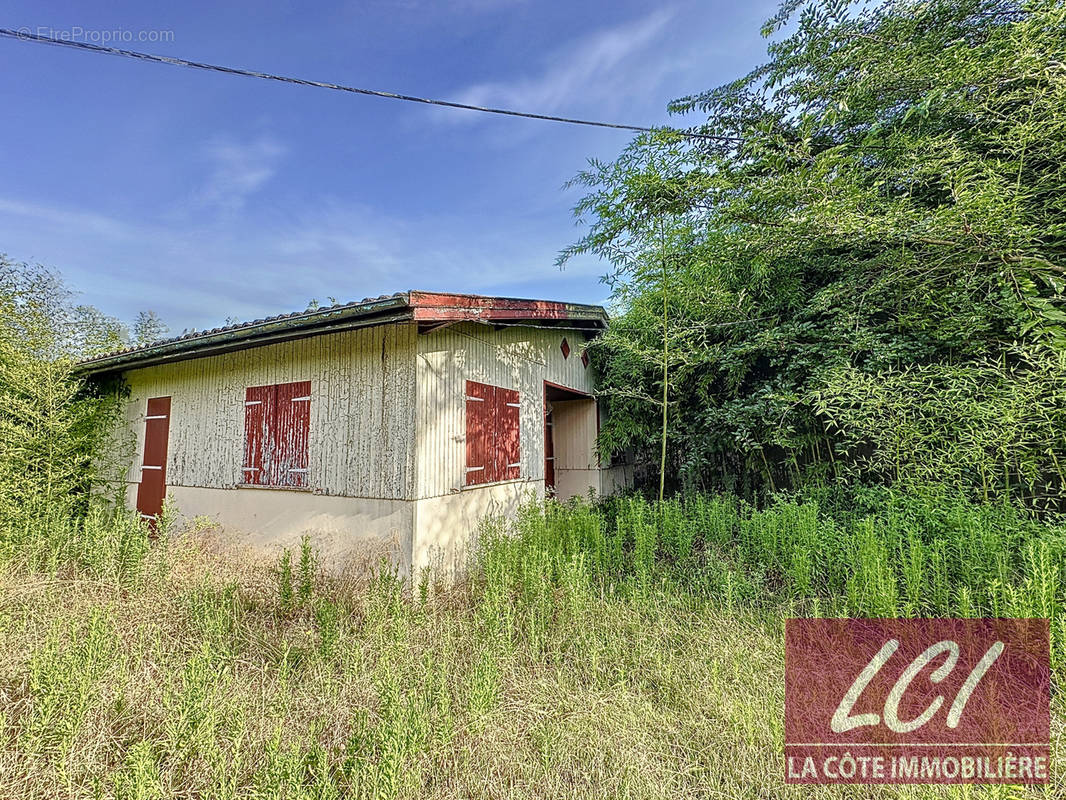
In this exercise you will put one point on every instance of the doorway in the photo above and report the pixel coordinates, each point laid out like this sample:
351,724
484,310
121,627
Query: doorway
549,451
571,425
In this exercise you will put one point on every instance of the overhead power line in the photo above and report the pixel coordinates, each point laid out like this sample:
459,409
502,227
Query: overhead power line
26,36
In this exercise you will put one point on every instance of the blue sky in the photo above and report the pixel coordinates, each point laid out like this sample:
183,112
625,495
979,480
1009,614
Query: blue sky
205,196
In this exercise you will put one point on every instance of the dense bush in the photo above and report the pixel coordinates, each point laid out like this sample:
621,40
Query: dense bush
859,275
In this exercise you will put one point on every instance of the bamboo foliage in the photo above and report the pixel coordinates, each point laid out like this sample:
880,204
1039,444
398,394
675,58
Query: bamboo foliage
994,429
54,431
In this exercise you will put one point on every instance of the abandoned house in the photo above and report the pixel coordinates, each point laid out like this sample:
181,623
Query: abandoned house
386,426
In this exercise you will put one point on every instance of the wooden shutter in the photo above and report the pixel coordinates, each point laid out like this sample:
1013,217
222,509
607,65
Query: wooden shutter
153,486
259,402
508,452
492,434
480,410
293,410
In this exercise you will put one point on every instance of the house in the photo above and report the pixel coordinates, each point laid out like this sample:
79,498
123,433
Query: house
390,425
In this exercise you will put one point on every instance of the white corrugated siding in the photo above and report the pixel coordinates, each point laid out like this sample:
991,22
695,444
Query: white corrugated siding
514,358
575,434
361,438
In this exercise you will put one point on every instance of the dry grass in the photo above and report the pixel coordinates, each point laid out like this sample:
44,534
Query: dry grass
206,677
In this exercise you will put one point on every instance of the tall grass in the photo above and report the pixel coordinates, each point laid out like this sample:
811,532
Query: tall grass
910,557
102,542
625,650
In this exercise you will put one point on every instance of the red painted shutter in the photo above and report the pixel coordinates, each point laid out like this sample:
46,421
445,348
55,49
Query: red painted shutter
258,446
153,486
290,434
507,445
480,410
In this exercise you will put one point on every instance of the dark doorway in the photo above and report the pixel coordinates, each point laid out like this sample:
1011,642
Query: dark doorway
549,452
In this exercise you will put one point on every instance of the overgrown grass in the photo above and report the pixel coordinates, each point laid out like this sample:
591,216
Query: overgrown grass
102,543
900,555
624,651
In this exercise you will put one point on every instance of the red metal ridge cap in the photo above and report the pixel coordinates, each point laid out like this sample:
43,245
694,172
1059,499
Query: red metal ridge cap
440,307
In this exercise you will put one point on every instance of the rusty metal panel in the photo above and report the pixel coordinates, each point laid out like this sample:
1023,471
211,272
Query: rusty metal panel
431,307
153,479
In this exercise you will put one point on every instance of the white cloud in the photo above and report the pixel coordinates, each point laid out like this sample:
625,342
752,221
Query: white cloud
591,69
238,170
63,218
458,6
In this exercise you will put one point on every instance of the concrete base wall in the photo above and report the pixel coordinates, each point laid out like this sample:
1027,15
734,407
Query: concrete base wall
346,532
350,532
447,527
576,483
600,482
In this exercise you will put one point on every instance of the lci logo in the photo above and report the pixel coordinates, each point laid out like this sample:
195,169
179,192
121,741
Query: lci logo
917,701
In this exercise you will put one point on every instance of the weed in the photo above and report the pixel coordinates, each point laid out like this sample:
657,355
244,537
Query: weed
625,649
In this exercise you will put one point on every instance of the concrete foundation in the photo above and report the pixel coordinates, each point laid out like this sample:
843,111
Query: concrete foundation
346,532
447,527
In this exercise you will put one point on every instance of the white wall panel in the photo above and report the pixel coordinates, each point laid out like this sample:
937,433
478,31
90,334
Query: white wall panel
516,357
361,438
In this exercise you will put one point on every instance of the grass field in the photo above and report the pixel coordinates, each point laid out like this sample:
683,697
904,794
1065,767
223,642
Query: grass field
628,651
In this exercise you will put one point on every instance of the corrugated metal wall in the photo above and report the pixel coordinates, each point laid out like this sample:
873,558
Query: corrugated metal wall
361,438
514,358
575,434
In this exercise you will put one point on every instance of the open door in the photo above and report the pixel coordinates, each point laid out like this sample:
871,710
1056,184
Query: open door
549,451
153,486
571,424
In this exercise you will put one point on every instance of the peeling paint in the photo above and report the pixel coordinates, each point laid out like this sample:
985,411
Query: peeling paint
360,419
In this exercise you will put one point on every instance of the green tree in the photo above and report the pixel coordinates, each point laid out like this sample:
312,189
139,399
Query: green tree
91,332
54,430
878,208
148,328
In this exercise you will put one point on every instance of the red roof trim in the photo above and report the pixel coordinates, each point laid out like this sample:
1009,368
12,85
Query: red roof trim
432,307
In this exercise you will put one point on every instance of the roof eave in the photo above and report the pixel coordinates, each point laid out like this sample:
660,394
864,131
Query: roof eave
425,308
442,307
270,332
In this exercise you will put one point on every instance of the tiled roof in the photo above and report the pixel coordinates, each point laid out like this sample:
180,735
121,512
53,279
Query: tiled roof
237,326
425,307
